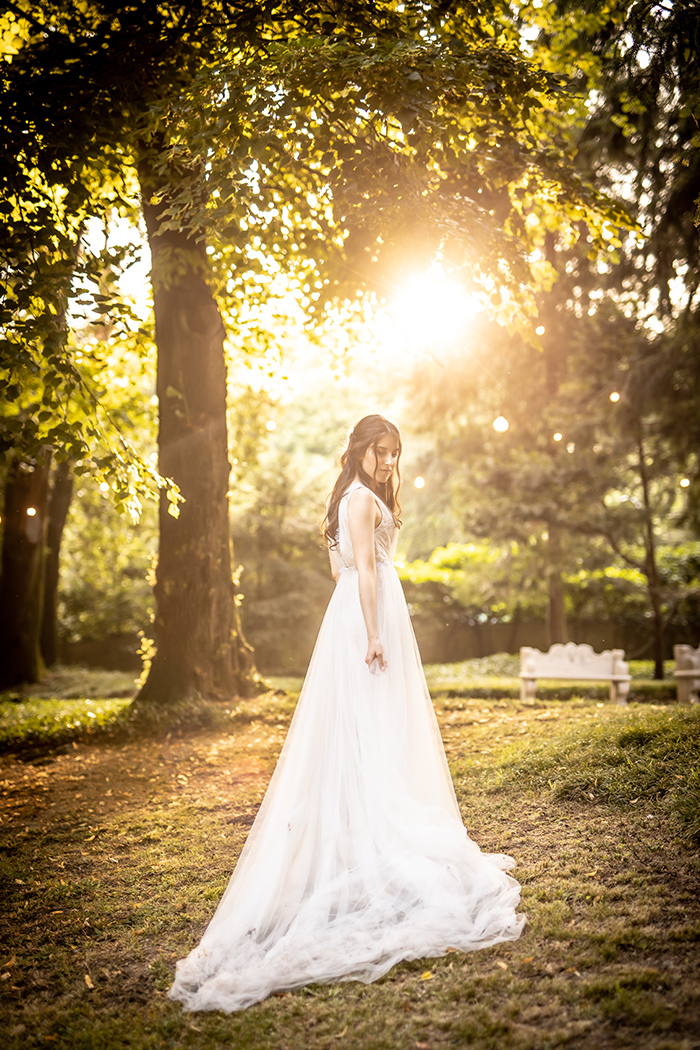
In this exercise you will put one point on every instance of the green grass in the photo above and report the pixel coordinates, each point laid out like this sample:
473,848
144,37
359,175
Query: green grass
491,677
494,677
51,721
644,756
116,850
56,710
68,704
72,681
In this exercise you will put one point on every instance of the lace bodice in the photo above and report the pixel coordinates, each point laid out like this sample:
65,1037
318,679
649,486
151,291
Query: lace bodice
385,534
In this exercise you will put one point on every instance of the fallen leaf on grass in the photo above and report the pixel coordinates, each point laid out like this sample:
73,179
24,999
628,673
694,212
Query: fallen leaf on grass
427,976
504,966
530,958
88,981
341,1034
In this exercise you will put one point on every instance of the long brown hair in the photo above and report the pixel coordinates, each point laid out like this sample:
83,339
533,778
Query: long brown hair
364,435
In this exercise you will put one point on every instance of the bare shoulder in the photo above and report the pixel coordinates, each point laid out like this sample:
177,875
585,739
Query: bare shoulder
363,503
361,497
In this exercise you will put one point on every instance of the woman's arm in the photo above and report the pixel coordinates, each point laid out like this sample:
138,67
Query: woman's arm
363,517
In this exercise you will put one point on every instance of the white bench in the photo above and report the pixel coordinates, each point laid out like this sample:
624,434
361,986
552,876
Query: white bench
687,673
577,662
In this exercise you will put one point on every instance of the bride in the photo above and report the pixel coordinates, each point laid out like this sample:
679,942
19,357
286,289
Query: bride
358,857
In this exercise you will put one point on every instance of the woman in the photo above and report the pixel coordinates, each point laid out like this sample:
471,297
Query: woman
358,857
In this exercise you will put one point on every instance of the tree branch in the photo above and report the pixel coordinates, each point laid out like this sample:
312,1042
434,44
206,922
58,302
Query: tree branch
625,557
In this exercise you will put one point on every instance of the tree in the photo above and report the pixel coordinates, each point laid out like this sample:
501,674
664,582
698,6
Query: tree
198,634
22,576
642,138
52,53
639,65
289,133
626,326
60,495
585,454
366,140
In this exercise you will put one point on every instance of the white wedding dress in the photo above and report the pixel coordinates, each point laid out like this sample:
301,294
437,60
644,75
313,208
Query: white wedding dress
358,857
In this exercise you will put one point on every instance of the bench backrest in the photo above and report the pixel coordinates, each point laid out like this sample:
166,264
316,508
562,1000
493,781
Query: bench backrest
687,658
572,661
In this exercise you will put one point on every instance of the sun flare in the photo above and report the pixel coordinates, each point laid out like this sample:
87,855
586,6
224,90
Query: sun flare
432,310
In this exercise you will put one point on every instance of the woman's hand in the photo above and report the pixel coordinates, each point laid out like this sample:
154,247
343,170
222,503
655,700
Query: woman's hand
375,656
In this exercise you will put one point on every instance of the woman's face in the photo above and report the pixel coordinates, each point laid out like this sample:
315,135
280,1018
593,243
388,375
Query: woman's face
380,459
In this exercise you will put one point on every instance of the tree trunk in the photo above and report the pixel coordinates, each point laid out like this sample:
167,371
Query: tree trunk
650,567
200,648
59,503
21,583
554,351
557,630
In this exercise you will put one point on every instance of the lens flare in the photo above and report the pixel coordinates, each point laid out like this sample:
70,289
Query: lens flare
434,309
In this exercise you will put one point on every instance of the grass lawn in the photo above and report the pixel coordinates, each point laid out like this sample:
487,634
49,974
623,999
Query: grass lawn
116,850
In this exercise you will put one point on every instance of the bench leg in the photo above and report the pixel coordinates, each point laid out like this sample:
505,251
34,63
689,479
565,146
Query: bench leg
618,692
528,688
687,690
